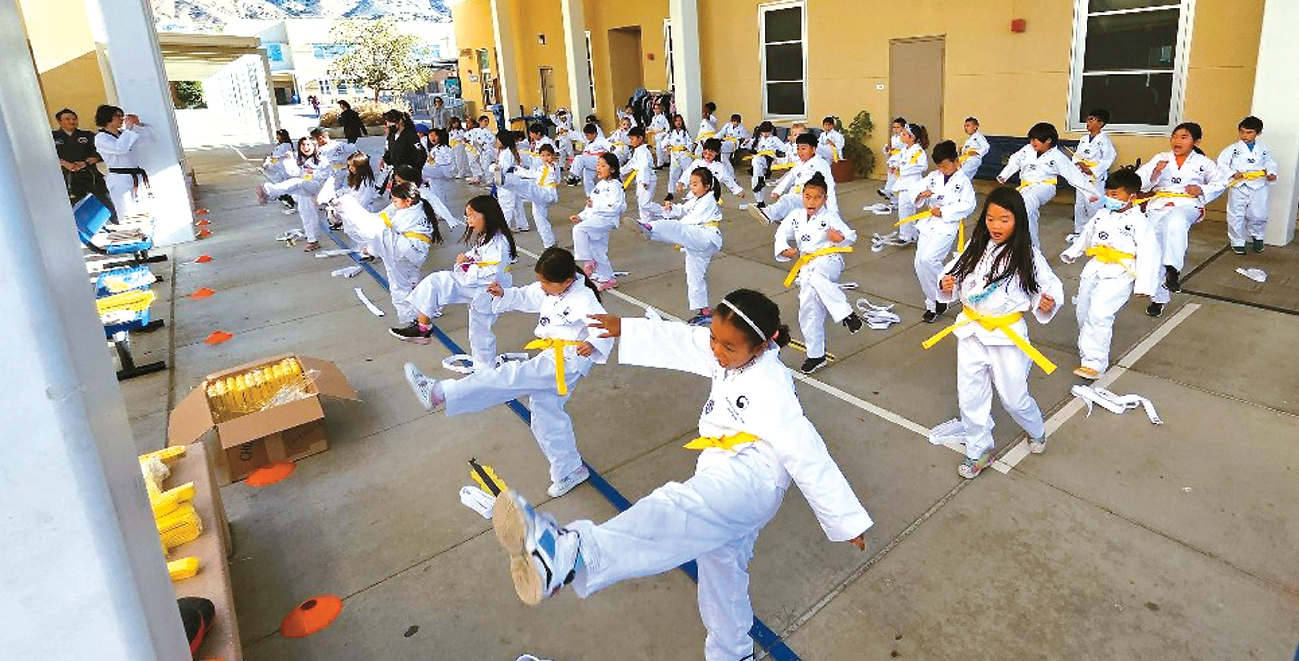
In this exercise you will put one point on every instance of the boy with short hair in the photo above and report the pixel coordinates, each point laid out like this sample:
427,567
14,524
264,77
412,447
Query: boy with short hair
639,172
1094,156
584,163
830,142
1252,170
975,148
1125,258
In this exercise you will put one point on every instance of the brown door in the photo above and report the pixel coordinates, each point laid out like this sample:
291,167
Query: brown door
916,83
626,72
547,89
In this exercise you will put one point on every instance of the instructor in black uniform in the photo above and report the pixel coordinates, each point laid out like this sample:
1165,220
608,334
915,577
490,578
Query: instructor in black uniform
78,158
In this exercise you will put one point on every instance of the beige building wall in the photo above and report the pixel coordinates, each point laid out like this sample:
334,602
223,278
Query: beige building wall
601,17
1008,80
67,59
534,18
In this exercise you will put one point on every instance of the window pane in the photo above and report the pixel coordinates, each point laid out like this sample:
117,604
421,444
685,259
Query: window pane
784,24
1131,99
1147,40
785,62
1116,5
785,99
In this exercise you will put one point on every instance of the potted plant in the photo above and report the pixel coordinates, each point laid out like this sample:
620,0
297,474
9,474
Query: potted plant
859,158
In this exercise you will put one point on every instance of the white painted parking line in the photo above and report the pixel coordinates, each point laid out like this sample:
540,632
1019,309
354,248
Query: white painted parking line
1111,375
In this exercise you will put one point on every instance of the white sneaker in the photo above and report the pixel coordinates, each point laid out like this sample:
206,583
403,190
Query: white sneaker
543,556
1037,445
566,484
423,387
1070,238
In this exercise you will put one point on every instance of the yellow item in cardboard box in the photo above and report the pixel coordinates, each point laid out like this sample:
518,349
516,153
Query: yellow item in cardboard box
182,569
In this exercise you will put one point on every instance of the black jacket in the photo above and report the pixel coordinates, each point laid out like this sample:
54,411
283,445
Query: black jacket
350,120
403,149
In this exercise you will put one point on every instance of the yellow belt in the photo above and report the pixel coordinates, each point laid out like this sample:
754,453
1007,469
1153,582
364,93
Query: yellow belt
915,159
273,161
678,148
834,153
630,178
914,217
456,143
1164,195
705,136
767,152
339,166
727,442
806,259
960,236
1108,255
418,236
781,166
1090,165
894,152
1248,176
1026,184
544,179
992,323
967,154
557,346
728,139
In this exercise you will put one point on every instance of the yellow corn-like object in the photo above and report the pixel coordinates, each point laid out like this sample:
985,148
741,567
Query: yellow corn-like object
173,538
169,501
182,569
131,300
167,455
486,478
180,526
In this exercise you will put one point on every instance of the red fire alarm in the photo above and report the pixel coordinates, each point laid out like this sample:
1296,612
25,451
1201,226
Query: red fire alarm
649,56
1018,25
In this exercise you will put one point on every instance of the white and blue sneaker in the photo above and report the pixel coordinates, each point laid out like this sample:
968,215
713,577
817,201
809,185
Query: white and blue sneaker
566,483
543,556
423,387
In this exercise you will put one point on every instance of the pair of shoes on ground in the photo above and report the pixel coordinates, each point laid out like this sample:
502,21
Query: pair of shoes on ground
930,316
1256,244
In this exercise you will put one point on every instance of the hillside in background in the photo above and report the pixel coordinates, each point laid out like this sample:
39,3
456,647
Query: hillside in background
212,15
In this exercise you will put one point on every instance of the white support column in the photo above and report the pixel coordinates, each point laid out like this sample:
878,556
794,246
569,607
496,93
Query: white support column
124,29
685,59
81,572
579,76
503,24
1275,98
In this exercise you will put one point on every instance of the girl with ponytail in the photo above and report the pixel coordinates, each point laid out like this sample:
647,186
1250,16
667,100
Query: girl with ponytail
754,440
694,226
563,297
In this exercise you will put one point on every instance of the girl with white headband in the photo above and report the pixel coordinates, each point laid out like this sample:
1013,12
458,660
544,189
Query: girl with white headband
754,440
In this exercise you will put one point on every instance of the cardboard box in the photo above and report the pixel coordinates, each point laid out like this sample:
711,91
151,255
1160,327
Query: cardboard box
241,445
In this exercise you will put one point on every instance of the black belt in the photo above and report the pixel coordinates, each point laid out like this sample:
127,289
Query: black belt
137,174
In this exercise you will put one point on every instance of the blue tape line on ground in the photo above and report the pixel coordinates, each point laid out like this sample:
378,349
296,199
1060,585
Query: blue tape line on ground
760,633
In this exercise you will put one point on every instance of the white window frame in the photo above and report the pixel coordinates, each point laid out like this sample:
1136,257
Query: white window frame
1177,98
590,70
667,55
762,54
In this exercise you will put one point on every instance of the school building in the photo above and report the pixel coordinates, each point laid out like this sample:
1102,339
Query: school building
1152,63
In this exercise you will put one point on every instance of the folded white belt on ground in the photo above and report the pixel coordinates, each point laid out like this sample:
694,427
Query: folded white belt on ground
346,272
948,433
891,239
878,317
478,500
1115,403
1257,275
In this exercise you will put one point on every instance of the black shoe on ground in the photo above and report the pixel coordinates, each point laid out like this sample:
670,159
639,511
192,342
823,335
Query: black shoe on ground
412,333
882,193
929,317
1172,278
1239,250
1258,245
1155,310
940,308
813,364
853,323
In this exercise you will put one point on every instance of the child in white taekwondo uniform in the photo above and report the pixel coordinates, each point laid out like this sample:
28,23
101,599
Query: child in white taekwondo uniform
618,139
307,175
459,156
360,187
694,227
481,143
601,215
658,127
1040,165
1183,181
754,441
950,197
766,149
1124,258
487,260
891,151
564,299
118,135
733,134
679,147
564,137
998,278
335,153
1251,169
708,126
508,158
638,172
273,166
540,186
584,164
1095,156
911,166
438,171
829,145
820,238
536,138
712,149
788,193
400,235
975,148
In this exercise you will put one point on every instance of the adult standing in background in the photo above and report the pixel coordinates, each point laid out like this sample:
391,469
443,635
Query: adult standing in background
315,104
119,133
403,146
350,121
441,115
78,158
